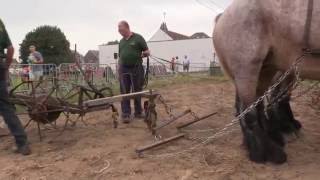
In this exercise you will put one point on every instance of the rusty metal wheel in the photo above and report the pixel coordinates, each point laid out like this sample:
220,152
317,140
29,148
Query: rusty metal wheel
43,109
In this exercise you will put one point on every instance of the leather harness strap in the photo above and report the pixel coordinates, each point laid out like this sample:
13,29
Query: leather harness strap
307,30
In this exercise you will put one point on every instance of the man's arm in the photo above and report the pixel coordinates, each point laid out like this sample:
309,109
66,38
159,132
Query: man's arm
7,43
10,52
146,53
144,47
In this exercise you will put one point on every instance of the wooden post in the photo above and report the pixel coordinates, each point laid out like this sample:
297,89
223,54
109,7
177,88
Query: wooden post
159,143
196,120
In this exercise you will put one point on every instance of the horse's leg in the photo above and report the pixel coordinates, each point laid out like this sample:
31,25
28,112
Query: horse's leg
288,123
261,148
270,124
281,111
251,129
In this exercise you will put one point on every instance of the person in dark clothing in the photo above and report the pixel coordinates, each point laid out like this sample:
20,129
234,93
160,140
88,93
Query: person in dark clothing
6,108
132,48
173,65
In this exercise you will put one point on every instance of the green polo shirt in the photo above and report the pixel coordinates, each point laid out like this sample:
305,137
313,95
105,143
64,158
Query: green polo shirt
4,39
130,50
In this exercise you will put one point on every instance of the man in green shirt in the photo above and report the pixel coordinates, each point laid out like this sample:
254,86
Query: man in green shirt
6,108
132,49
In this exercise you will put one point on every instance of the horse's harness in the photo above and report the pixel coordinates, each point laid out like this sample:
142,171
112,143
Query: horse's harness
307,49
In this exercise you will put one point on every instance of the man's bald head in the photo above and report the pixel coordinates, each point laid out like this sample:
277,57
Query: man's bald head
125,24
124,28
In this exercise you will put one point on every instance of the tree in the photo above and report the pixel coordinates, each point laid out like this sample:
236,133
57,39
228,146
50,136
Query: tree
50,42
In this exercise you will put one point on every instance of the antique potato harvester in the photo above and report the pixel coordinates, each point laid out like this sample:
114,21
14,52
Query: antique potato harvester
45,103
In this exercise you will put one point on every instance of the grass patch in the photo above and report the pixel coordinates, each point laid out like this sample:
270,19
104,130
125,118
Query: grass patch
185,79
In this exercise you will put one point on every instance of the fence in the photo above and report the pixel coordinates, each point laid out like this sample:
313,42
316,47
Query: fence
97,74
25,73
161,69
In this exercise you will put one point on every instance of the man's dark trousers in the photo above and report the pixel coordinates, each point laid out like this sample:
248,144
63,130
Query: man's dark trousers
8,113
131,80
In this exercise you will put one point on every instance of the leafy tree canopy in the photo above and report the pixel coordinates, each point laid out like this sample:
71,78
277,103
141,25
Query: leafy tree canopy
50,42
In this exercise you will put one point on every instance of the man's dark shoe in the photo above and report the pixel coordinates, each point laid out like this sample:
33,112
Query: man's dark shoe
24,150
139,116
126,119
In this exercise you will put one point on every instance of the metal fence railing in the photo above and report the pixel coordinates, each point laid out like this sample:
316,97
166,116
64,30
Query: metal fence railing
24,73
95,73
69,74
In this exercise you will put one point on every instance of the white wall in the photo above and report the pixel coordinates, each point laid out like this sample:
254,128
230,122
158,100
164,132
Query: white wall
198,50
106,54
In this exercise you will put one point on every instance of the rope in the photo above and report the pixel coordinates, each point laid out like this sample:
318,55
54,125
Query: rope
157,59
146,75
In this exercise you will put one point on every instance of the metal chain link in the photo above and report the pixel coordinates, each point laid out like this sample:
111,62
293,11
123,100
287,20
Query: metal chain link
229,128
294,67
313,86
167,108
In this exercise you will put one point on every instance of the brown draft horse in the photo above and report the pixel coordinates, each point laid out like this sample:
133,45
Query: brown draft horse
255,40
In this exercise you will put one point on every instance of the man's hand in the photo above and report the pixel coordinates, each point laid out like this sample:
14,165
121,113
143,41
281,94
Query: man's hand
10,52
145,53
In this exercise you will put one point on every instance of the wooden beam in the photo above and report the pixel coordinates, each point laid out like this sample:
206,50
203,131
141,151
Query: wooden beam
159,143
102,101
173,119
196,120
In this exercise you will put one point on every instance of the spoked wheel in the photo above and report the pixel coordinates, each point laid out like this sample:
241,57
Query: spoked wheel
43,110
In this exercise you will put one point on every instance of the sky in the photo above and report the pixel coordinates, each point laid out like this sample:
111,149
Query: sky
89,23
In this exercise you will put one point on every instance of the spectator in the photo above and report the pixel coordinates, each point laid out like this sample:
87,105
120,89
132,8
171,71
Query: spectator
25,73
186,64
36,60
177,63
173,64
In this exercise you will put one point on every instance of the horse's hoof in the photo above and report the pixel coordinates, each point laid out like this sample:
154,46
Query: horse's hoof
297,124
257,148
262,148
275,153
291,126
277,137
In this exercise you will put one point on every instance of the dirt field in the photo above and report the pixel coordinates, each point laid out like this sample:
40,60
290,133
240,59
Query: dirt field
98,151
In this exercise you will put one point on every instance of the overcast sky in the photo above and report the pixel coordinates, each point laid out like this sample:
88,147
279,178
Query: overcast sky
90,23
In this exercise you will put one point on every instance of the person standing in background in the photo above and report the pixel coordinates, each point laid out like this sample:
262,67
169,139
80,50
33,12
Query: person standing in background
173,65
6,108
186,64
177,63
36,60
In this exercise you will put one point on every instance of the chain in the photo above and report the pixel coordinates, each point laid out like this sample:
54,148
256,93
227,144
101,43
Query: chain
313,86
229,128
294,67
206,141
167,108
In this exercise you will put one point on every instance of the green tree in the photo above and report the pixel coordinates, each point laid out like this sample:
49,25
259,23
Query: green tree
50,42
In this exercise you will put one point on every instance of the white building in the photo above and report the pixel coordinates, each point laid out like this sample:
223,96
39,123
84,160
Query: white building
167,44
